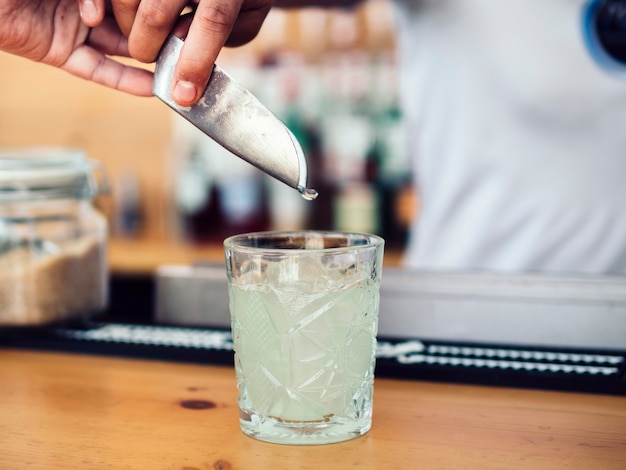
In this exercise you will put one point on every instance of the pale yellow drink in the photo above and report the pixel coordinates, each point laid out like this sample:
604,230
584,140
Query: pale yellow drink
304,329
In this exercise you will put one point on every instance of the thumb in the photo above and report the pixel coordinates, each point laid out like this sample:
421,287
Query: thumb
91,12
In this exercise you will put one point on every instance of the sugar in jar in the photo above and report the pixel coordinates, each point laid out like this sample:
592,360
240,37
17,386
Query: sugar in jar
53,241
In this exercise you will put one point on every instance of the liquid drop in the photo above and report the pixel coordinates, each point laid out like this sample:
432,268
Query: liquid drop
308,194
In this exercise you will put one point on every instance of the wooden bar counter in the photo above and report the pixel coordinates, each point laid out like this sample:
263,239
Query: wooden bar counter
60,410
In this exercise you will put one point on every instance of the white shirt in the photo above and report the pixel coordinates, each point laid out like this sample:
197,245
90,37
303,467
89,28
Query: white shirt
520,138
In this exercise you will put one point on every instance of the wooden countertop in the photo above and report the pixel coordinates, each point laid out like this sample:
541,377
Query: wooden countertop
78,411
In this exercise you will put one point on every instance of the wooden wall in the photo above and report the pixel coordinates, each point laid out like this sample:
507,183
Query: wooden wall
40,105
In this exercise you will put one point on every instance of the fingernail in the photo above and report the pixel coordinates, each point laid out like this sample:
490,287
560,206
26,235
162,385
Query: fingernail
88,10
184,92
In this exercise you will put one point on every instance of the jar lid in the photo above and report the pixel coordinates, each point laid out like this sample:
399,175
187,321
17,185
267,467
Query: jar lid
46,172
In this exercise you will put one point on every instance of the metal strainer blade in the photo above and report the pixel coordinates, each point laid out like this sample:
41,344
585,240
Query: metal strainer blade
237,120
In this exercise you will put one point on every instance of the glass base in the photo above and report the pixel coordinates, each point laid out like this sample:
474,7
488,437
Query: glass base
278,431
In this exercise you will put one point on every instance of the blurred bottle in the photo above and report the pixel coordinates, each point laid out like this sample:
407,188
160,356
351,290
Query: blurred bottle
128,219
392,149
347,149
195,197
283,75
217,194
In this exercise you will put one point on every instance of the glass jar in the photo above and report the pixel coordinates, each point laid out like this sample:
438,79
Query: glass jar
53,261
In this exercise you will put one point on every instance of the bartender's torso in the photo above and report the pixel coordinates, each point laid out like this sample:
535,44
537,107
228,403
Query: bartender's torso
520,139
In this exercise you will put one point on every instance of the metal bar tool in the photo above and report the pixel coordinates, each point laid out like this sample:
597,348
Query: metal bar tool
229,114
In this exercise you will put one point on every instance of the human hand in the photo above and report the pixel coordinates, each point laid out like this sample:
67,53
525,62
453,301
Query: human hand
207,24
51,32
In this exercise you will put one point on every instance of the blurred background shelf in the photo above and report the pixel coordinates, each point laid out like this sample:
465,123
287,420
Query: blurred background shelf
329,74
143,257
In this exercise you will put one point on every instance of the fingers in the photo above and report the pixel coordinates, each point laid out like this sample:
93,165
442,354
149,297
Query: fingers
85,62
92,11
212,23
107,39
153,22
90,62
124,12
251,18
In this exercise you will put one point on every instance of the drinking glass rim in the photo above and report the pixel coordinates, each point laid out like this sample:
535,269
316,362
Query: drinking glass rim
369,240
